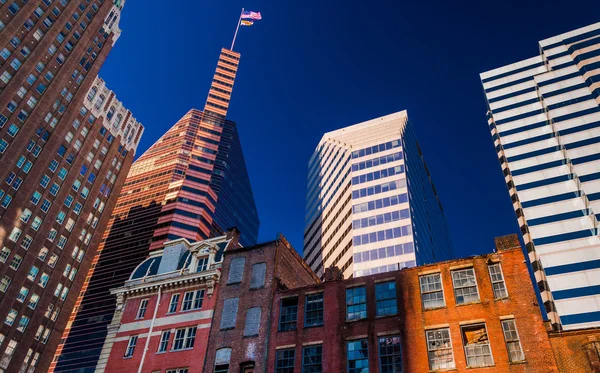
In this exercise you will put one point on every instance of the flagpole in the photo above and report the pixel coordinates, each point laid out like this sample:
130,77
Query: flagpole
236,29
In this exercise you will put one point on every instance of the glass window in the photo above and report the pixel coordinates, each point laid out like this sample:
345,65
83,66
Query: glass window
284,360
4,254
22,294
358,356
202,264
513,342
222,358
477,346
164,340
192,300
312,359
313,309
385,295
142,309
465,286
390,354
16,262
4,283
439,349
356,303
498,283
131,346
173,303
11,317
289,313
184,339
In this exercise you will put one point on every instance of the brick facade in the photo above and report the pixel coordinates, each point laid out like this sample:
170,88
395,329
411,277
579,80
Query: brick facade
577,351
284,269
168,276
411,322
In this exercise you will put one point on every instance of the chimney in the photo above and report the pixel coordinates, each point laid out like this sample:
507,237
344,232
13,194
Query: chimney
508,242
333,274
233,234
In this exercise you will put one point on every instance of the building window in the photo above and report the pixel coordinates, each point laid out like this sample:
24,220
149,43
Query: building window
164,340
439,349
4,254
284,360
252,325
22,294
289,314
390,354
358,356
477,346
385,296
513,343
177,370
142,309
173,303
23,322
229,314
11,317
236,271
257,279
312,359
313,310
202,264
465,286
184,339
356,303
4,283
498,283
131,346
192,300
222,358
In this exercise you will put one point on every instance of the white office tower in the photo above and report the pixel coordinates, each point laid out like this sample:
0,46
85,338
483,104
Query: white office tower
545,121
371,206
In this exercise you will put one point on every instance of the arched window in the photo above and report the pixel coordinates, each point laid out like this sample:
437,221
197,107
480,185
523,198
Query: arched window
222,359
99,102
92,93
111,112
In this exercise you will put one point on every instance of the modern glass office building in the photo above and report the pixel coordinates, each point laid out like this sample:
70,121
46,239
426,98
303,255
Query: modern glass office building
545,122
371,206
191,183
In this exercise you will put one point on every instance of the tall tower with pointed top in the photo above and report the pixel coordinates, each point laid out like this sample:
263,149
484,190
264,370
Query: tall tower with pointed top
191,183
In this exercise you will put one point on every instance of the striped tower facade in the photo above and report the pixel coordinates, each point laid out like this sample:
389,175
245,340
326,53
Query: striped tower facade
544,117
168,194
368,191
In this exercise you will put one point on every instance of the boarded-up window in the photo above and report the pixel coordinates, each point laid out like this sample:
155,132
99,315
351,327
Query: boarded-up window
236,270
252,322
229,315
223,356
258,275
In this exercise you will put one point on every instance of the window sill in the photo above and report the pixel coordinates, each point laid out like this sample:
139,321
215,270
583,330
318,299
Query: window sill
517,362
161,352
467,304
257,288
313,326
434,308
503,298
483,366
288,330
127,357
183,349
355,320
250,336
384,316
444,370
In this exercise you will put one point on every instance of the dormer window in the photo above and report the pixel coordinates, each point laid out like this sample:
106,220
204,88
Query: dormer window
202,264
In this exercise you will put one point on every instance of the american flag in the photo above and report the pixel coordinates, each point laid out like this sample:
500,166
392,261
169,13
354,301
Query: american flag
251,15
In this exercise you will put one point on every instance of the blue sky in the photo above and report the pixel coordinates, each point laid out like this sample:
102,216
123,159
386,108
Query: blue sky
314,66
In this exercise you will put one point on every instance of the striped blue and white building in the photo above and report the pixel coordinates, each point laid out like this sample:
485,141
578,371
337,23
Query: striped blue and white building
371,206
544,117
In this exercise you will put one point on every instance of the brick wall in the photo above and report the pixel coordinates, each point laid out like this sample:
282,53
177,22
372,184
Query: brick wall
411,321
577,351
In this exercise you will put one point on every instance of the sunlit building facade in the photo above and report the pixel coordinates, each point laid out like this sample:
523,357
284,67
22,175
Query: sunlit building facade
371,206
544,117
64,155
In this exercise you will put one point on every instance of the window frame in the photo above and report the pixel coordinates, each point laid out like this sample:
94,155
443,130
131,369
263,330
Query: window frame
293,325
355,304
379,284
494,282
450,348
130,346
466,345
361,340
307,302
379,354
142,308
459,270
285,359
506,341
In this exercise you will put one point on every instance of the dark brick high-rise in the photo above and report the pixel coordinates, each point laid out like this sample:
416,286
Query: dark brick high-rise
66,144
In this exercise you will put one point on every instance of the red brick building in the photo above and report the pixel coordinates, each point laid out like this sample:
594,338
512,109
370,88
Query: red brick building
475,315
164,311
242,320
66,145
